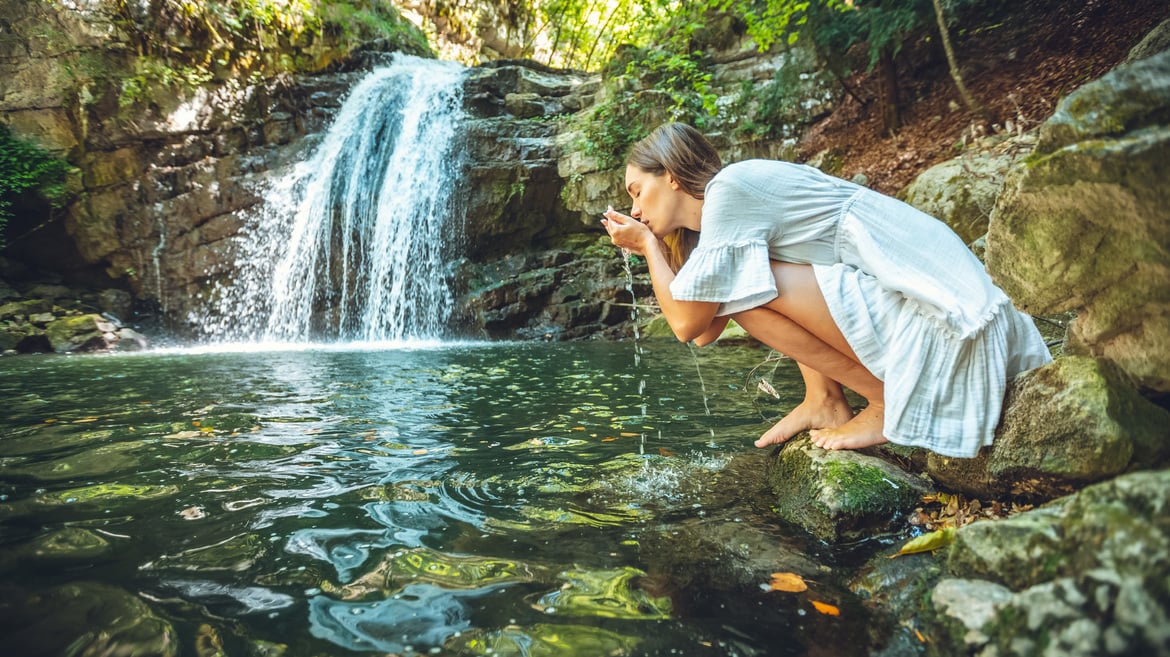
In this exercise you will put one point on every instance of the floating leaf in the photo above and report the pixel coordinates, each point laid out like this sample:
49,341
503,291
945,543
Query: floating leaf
608,439
826,608
665,452
627,434
928,542
788,583
193,513
419,452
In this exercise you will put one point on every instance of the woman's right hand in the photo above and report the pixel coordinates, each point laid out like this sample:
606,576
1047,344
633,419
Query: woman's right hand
627,232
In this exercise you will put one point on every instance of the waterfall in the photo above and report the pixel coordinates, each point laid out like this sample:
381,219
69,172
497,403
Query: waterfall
352,244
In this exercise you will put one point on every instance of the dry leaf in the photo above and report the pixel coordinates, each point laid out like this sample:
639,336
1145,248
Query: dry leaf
767,388
665,452
627,434
788,583
608,439
420,452
192,513
928,542
826,608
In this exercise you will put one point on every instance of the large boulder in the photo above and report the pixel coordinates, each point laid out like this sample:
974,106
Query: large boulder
1086,575
1074,421
961,192
1084,224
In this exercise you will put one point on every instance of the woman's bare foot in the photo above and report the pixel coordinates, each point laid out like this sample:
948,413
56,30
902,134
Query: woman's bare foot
824,413
863,430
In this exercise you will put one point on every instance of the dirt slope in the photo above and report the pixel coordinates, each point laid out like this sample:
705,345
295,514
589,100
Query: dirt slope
1018,68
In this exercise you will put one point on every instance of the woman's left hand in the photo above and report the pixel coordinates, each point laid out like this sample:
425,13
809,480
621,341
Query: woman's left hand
627,232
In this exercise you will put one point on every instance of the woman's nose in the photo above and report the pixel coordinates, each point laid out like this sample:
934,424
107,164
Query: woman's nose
636,212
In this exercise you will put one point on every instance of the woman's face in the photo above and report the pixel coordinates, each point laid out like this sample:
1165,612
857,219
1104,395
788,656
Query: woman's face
657,200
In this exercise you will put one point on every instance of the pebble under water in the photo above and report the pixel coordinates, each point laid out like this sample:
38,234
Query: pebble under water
459,499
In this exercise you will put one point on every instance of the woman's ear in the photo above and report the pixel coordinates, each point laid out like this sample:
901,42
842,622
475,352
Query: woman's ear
672,180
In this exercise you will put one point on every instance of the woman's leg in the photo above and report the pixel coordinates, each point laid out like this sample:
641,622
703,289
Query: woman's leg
797,323
824,407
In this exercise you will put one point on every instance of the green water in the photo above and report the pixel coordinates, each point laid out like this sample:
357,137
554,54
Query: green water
545,499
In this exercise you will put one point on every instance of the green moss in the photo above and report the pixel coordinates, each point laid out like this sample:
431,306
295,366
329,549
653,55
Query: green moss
862,487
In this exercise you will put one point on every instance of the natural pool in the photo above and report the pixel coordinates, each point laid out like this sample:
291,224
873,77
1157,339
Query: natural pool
518,499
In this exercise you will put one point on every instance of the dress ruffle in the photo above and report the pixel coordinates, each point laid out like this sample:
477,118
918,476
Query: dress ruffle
943,392
738,276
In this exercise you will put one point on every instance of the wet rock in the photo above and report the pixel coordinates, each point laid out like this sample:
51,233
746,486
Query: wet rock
24,309
83,618
1074,421
116,302
81,333
1084,224
841,495
69,544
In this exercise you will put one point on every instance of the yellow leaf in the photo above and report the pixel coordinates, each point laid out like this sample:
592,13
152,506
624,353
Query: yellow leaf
788,583
578,428
826,608
927,542
627,434
419,452
608,439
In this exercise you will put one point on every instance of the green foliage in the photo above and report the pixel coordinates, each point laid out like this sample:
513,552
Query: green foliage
186,43
26,167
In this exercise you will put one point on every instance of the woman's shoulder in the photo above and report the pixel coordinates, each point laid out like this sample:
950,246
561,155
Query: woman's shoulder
764,174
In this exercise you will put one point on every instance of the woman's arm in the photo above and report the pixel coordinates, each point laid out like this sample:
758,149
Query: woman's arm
713,332
688,319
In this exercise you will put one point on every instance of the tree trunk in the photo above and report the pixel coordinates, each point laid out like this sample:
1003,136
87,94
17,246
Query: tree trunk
953,63
888,92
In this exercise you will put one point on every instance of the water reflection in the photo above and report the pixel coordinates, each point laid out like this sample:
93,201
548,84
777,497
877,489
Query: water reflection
521,499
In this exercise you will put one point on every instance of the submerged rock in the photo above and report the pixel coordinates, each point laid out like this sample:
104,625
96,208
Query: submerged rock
83,618
841,495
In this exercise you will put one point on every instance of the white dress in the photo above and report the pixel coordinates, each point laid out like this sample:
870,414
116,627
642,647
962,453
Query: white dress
914,303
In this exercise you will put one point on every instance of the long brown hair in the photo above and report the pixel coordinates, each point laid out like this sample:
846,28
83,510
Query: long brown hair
683,152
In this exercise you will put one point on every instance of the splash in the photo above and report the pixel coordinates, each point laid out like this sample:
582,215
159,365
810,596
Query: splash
352,244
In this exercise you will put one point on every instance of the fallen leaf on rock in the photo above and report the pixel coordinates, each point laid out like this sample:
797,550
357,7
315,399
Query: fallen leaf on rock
788,583
928,542
825,608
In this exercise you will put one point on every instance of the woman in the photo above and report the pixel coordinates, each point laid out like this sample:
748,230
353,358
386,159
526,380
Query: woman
860,289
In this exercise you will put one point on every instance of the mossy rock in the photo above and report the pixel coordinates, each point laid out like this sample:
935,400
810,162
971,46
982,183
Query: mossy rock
841,495
78,333
1072,422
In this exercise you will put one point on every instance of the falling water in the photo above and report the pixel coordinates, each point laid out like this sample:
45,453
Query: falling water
353,242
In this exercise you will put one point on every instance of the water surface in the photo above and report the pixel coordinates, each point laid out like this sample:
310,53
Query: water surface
527,499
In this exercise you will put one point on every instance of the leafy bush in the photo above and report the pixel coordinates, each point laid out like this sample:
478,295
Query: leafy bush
26,167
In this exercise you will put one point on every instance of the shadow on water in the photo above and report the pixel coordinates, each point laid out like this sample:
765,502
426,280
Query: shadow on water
458,500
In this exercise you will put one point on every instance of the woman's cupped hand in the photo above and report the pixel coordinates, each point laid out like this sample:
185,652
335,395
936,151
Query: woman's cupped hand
627,232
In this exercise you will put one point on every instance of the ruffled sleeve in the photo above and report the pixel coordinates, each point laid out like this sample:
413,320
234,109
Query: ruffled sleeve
737,276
